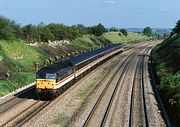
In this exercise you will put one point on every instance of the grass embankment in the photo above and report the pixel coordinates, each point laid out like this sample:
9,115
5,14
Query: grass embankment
166,58
116,37
17,58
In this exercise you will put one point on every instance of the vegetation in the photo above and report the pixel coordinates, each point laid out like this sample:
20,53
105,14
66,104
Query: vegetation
97,30
21,48
166,58
6,31
147,31
177,28
118,37
124,32
113,29
45,33
17,60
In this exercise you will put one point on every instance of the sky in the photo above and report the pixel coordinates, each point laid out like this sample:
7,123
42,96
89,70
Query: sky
117,13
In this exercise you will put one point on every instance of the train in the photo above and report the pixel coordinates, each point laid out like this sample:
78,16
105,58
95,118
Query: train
53,79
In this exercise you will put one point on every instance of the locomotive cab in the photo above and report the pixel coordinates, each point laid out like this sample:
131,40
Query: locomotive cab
46,81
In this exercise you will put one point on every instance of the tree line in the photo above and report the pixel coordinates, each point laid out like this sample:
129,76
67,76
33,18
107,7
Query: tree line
43,33
9,29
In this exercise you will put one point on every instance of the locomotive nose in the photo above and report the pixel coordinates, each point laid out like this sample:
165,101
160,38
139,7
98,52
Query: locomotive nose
46,84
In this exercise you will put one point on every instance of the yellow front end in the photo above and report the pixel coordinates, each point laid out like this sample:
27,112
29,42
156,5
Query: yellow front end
45,83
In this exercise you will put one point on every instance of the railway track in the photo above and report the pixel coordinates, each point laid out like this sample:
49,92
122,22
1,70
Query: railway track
102,121
16,100
138,111
92,115
26,114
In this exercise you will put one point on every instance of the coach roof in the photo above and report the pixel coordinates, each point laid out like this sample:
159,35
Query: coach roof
63,65
80,58
57,67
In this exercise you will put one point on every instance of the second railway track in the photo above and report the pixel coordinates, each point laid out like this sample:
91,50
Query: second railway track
138,113
92,118
97,116
26,114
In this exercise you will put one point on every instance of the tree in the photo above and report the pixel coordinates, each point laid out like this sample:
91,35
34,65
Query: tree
98,30
45,34
58,30
124,32
6,32
147,31
17,31
113,29
30,33
73,32
81,29
176,29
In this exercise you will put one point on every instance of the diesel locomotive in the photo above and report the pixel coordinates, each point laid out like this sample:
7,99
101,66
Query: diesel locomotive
51,79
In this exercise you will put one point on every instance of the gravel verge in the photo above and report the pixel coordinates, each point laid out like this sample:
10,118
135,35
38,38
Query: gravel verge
154,113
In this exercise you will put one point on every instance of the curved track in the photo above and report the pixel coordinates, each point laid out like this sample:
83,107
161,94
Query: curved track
92,116
138,113
102,115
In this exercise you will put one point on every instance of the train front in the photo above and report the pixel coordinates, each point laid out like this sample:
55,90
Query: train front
46,85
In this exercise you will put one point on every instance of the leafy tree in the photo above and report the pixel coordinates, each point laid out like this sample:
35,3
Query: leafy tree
124,32
113,29
73,32
58,30
147,31
30,33
45,34
98,30
82,29
17,31
176,29
6,32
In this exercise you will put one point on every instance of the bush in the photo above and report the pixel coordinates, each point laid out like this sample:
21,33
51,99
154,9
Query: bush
147,31
6,31
165,57
98,30
113,29
176,29
123,31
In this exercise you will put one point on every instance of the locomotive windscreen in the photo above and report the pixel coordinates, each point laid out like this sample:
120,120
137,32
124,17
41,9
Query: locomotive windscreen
45,76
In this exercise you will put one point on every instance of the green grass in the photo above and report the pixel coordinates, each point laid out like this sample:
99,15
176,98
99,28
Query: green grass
117,37
18,60
21,54
86,42
166,58
16,81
